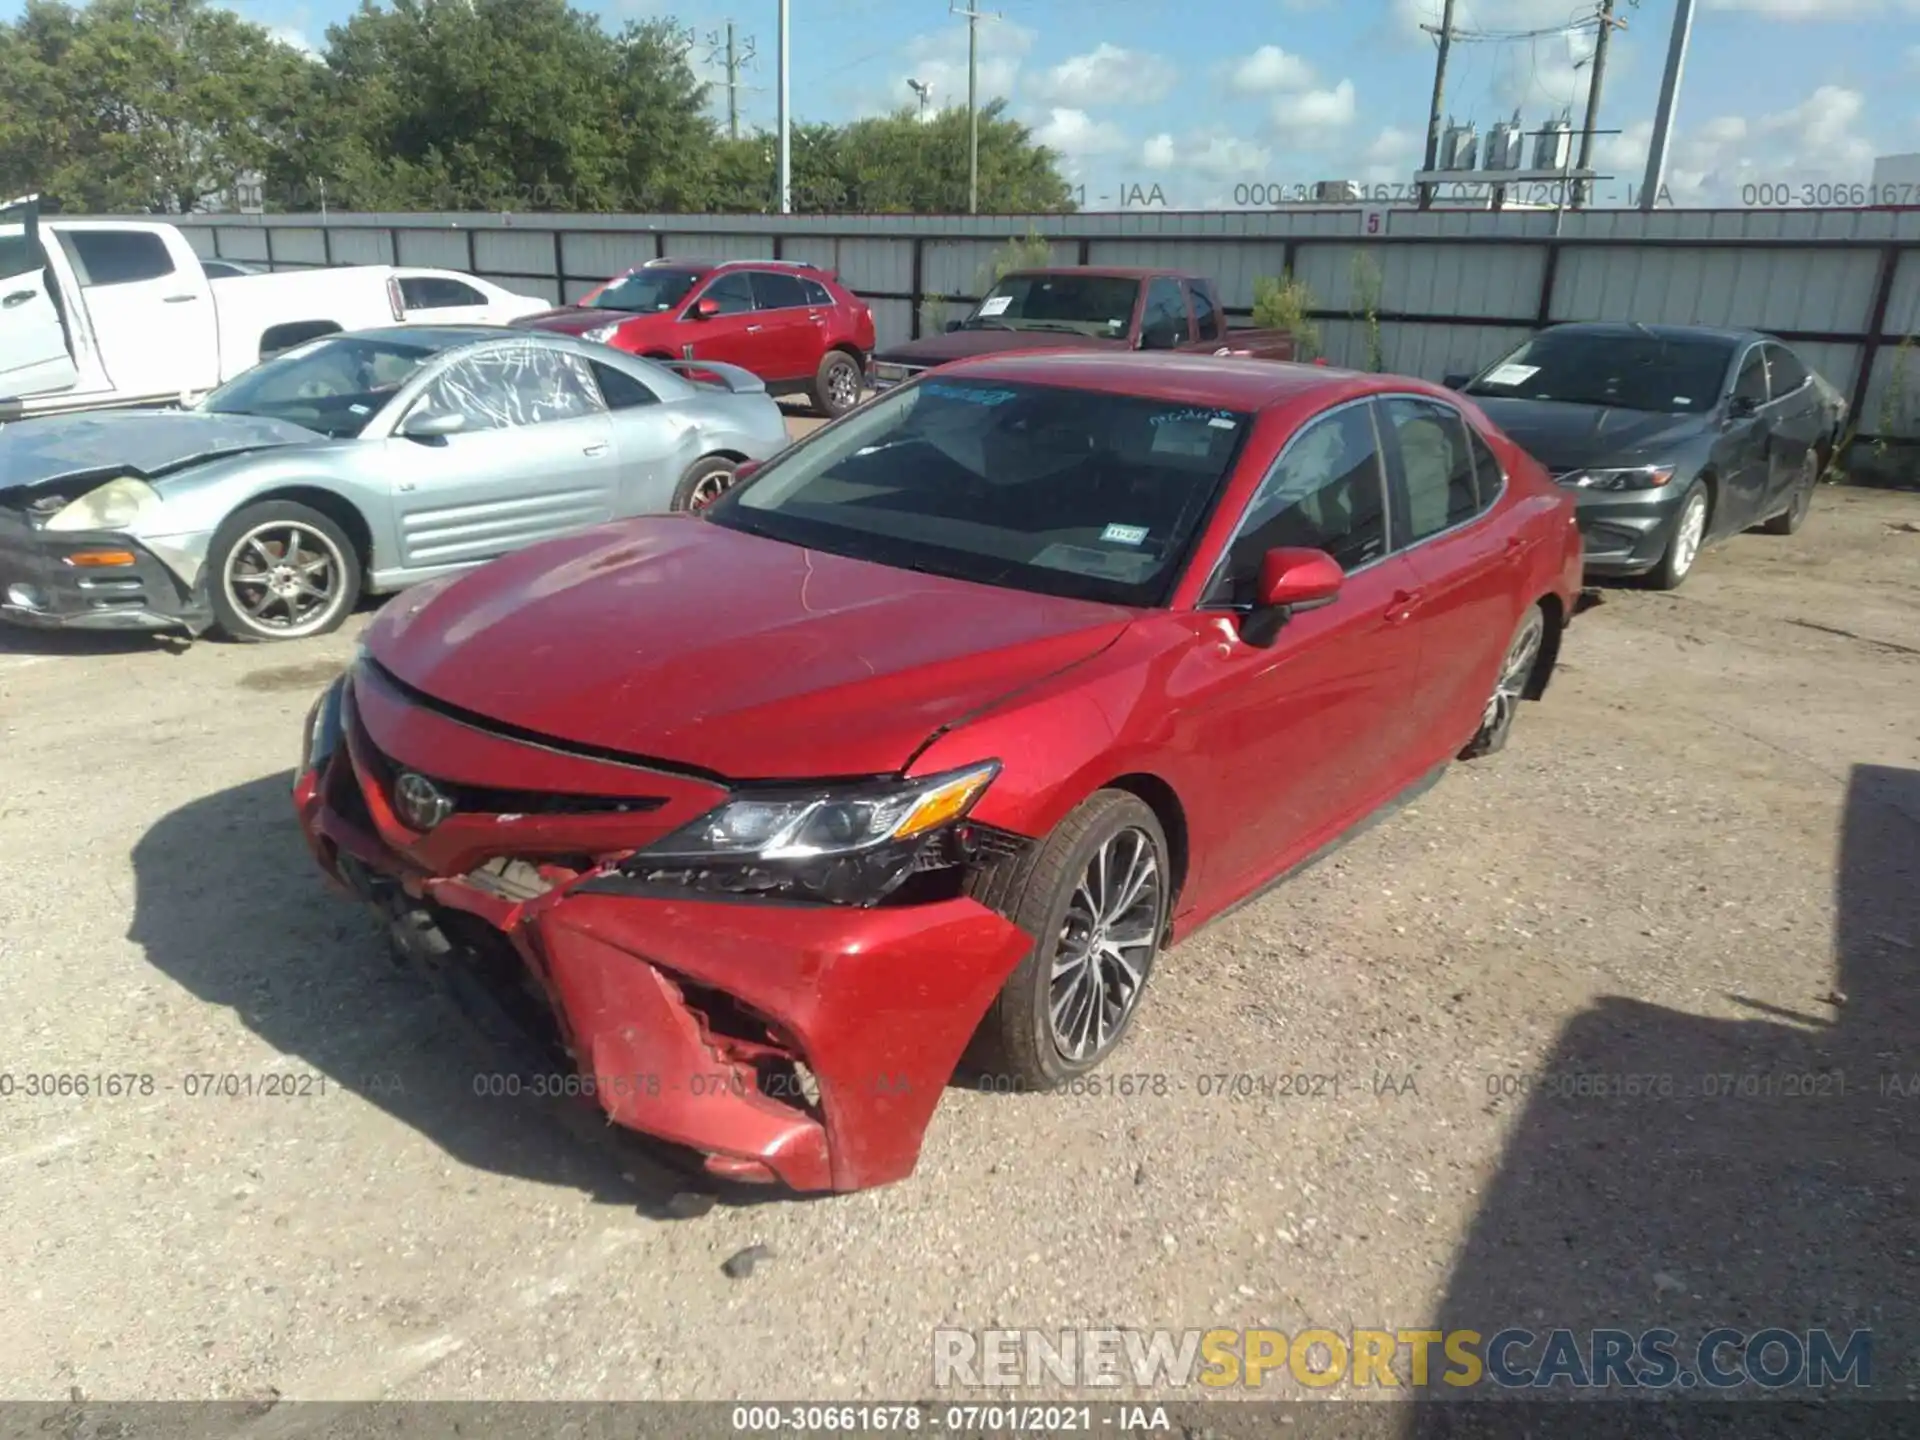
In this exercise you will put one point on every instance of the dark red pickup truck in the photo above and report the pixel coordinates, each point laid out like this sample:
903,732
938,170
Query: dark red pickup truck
1109,307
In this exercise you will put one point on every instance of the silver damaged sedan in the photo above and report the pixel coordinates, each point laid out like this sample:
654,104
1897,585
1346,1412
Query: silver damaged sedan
357,463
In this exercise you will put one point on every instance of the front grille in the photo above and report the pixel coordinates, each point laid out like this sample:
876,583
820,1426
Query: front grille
491,800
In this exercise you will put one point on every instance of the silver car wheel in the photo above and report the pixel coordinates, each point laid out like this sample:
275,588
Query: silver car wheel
709,488
1515,671
843,386
1106,947
284,578
1688,533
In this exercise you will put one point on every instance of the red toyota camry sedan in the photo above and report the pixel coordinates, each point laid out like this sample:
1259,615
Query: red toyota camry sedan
920,747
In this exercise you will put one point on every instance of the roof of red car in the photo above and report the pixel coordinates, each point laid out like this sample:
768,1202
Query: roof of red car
1228,381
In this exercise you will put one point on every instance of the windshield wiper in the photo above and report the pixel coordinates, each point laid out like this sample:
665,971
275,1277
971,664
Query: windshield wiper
989,324
1070,328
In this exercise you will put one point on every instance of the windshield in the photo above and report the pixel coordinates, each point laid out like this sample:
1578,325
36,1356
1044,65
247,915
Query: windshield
335,385
1084,304
1675,375
643,292
1066,492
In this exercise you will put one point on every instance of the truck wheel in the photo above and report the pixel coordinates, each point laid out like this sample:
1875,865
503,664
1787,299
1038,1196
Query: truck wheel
281,571
836,388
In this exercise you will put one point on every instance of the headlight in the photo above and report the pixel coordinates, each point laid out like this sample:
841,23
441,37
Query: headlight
601,333
114,506
1637,477
852,844
321,735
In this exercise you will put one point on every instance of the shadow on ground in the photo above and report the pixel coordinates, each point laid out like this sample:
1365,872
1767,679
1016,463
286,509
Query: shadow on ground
1777,1185
230,904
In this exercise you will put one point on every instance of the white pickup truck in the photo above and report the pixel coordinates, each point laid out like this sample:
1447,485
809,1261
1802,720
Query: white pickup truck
97,313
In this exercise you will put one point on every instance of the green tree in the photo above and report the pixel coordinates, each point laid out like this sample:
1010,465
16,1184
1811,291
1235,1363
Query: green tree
142,104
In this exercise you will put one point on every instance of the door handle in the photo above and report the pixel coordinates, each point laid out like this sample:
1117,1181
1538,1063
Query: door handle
18,297
599,448
1405,602
180,299
755,329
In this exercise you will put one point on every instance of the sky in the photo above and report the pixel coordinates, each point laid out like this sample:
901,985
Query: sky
1171,102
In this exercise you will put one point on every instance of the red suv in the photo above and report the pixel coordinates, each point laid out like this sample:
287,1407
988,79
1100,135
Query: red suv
792,324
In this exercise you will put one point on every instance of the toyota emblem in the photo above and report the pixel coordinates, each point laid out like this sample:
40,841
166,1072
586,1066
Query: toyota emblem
421,803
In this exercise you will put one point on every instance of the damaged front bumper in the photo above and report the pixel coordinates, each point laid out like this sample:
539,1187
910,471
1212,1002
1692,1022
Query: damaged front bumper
91,580
801,1043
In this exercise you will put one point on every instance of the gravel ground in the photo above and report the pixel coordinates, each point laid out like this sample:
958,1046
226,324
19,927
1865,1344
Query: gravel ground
1698,856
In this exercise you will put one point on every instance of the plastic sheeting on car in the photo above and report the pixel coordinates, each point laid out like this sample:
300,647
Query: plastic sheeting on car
515,385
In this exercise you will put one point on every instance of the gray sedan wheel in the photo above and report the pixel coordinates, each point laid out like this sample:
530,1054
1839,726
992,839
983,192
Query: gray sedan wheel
1805,483
281,571
1685,541
706,480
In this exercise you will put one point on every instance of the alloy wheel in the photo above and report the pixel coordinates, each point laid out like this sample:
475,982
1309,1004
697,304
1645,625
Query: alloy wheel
285,578
843,387
1515,671
709,488
1106,945
1688,534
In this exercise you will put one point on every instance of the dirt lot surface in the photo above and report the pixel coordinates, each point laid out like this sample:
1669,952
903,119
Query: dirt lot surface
1698,858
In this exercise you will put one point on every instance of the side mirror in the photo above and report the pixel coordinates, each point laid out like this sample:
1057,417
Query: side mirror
744,469
1157,337
705,308
1291,580
1741,406
430,425
1455,381
953,325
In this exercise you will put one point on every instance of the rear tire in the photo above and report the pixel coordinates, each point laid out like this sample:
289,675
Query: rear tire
1102,876
836,386
1684,544
1509,686
1794,516
706,480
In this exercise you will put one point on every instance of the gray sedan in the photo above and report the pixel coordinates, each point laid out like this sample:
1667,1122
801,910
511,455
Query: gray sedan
357,463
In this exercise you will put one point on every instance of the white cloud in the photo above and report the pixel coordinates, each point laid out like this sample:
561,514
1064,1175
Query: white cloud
1221,156
1391,156
1913,58
1271,68
1817,142
294,38
1076,134
1107,75
1305,117
1158,152
939,59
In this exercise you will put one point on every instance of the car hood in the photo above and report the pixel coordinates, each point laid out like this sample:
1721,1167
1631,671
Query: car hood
673,639
578,319
959,344
1571,437
145,443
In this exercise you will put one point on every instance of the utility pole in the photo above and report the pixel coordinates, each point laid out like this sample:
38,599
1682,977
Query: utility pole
786,138
738,57
1439,93
1669,98
973,17
1600,43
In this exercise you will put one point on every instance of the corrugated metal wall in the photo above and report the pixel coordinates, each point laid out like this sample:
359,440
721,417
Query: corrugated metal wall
1455,288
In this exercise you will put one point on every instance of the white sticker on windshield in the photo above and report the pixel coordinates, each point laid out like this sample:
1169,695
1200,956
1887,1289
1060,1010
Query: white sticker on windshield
1510,374
995,305
1124,534
1221,422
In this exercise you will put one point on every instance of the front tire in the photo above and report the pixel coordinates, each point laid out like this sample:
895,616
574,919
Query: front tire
1684,545
1096,895
706,480
281,571
1789,520
836,385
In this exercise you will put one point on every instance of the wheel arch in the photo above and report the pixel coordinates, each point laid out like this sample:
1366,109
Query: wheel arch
330,503
1554,612
1161,798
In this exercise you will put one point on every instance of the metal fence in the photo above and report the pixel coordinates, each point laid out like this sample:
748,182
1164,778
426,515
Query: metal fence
1455,289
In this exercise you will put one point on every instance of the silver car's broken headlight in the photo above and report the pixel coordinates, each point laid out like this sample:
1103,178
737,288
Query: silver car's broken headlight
113,506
